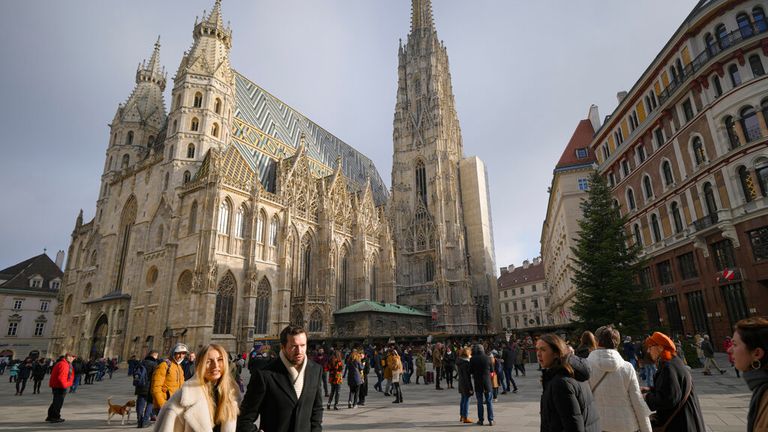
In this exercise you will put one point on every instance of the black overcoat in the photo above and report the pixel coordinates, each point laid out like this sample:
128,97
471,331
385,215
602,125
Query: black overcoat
271,397
670,384
481,368
566,402
465,377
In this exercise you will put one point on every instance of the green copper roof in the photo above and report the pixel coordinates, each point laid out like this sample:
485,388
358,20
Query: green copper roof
372,306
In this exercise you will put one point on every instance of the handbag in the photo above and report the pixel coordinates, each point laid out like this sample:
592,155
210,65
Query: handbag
663,428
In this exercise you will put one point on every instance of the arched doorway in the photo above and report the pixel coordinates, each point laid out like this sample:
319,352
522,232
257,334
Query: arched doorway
99,341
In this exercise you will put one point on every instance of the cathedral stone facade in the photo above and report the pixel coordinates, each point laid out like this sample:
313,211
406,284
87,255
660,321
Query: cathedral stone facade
231,215
440,205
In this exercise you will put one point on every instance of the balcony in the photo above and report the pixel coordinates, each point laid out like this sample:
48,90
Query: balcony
729,41
705,222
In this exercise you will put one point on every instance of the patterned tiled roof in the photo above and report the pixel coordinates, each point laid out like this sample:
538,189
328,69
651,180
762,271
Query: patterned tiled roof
266,129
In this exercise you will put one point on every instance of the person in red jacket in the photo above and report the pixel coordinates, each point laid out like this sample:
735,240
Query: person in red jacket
62,377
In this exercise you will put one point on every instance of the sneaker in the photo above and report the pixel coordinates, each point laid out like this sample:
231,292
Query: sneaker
468,420
514,391
504,392
479,422
58,420
335,408
490,423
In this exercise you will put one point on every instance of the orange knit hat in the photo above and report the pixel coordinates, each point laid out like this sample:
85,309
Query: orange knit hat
662,340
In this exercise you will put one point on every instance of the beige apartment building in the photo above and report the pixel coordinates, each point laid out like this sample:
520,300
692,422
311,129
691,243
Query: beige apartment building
570,183
524,297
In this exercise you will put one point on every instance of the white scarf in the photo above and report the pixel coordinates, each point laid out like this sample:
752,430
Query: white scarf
296,375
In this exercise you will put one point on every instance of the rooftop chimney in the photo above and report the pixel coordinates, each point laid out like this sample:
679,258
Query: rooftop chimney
526,263
503,270
594,117
621,95
60,259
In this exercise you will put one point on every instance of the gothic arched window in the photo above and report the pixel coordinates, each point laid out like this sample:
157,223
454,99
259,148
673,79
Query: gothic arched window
127,219
273,231
306,265
225,305
747,186
190,150
343,279
263,295
198,101
631,199
709,199
316,321
193,218
195,124
647,188
223,226
429,271
215,130
126,161
749,124
217,106
655,228
260,222
421,182
698,151
129,138
187,177
240,223
666,169
677,220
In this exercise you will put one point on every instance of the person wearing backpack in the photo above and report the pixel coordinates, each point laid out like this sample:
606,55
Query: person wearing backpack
142,376
168,376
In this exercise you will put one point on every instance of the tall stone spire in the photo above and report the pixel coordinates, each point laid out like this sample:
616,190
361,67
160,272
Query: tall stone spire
152,71
421,15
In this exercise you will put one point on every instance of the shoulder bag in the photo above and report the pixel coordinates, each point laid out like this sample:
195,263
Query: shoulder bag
688,389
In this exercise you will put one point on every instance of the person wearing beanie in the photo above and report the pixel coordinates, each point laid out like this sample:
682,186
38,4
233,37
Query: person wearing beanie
673,397
168,376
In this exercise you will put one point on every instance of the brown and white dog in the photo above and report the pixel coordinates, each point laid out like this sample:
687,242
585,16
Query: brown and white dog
121,410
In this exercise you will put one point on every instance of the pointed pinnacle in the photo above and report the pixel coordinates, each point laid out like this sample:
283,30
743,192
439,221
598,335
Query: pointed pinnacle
421,15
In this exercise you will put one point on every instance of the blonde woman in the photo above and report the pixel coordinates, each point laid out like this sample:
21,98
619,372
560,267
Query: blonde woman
208,401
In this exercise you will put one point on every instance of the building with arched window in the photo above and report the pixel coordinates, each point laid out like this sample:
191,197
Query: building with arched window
704,221
230,237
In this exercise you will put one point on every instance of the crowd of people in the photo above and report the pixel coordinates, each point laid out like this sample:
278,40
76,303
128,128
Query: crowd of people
600,383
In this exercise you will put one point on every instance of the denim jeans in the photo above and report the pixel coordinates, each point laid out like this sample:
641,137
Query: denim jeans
464,406
486,398
650,370
143,409
75,384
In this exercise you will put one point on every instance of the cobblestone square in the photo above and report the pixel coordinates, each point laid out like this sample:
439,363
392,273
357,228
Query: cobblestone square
724,400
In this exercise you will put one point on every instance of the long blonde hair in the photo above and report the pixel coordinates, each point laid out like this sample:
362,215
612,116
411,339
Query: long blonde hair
226,408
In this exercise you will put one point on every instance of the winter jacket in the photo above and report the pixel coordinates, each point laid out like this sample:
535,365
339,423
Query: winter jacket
465,377
449,361
566,403
25,370
481,368
38,371
670,382
167,378
508,356
62,375
707,348
335,369
354,378
187,411
421,366
619,401
394,366
149,363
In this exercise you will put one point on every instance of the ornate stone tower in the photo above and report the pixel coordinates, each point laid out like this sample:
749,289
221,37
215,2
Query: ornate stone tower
433,263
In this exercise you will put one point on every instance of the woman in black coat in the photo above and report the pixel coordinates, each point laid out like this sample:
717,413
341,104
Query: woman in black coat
672,381
38,374
566,402
465,384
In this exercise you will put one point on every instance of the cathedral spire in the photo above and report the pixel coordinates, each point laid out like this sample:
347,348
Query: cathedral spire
213,25
421,15
152,71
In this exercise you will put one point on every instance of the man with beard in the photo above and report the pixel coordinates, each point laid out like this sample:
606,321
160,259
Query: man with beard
286,396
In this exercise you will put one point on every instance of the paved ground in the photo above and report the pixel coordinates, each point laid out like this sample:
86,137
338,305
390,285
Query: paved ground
724,400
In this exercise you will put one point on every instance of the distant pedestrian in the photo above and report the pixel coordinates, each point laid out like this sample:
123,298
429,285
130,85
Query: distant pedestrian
518,352
14,372
466,389
587,344
38,374
353,372
62,376
727,344
142,381
25,372
362,393
630,351
79,366
709,356
449,365
335,377
508,357
189,366
750,355
395,365
421,367
322,359
480,366
673,397
437,364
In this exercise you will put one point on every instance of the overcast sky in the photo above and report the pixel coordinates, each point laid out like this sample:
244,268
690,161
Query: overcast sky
524,74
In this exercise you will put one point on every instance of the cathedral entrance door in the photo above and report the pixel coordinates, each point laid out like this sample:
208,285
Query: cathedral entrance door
99,338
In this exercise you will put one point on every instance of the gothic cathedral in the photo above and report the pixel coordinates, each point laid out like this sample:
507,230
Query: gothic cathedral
440,206
232,215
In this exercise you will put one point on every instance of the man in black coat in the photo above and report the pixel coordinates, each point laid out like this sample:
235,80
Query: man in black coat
480,366
508,357
143,396
287,395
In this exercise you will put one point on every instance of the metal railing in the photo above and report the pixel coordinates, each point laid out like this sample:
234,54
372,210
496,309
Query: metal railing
705,222
710,52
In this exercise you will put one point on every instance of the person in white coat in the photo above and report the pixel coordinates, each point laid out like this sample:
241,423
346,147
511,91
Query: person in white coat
208,402
615,386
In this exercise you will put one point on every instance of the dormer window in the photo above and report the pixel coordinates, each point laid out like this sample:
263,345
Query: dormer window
56,283
581,153
36,282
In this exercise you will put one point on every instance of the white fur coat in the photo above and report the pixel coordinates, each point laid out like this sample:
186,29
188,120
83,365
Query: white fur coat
187,411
